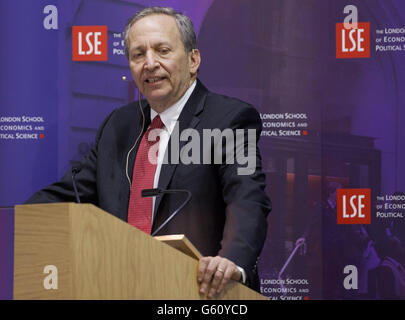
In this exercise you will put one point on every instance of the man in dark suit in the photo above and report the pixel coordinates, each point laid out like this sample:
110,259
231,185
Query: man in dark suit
226,217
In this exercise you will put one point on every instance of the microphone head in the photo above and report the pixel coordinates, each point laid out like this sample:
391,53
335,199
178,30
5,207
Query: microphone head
76,169
150,192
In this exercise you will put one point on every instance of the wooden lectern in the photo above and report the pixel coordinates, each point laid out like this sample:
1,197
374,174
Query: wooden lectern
98,256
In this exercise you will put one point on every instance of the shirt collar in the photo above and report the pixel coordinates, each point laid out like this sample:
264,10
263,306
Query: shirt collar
171,114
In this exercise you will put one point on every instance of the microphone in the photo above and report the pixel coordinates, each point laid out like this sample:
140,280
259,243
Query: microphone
158,192
75,170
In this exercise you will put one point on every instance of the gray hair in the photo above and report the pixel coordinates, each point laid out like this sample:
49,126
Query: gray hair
183,22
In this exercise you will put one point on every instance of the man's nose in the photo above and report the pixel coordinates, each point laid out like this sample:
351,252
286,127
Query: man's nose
151,61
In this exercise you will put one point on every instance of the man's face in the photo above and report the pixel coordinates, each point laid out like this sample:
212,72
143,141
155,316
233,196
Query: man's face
159,64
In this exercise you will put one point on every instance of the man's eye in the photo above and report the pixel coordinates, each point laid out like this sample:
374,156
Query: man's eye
164,50
137,55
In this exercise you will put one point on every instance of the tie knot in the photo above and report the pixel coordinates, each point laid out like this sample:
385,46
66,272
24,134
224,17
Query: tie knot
156,123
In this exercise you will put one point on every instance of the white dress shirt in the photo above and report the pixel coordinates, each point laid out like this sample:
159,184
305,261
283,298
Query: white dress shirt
169,118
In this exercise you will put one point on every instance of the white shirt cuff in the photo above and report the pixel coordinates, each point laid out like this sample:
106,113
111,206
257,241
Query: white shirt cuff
242,271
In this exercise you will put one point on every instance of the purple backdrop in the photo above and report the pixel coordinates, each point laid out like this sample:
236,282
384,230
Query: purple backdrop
279,55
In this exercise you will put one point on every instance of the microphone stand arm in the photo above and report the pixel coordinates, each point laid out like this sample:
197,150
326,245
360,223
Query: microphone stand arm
175,212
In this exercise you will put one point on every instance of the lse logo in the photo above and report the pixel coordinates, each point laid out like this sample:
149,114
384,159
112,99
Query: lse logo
353,206
89,43
353,42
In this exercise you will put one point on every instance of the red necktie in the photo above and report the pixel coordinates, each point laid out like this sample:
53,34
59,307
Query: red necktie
140,209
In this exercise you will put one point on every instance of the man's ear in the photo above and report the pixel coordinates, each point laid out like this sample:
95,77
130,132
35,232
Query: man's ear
195,60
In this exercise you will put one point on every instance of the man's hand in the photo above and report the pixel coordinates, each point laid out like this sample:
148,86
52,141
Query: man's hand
216,271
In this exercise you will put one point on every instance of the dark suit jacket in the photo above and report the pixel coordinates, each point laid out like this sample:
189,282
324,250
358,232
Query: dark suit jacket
227,213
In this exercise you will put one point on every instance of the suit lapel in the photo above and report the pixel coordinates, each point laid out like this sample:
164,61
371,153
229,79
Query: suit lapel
188,119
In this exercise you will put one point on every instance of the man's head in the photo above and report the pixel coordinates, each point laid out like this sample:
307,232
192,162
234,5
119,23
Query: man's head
160,45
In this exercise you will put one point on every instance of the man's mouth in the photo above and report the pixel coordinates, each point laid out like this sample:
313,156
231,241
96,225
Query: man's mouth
154,79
